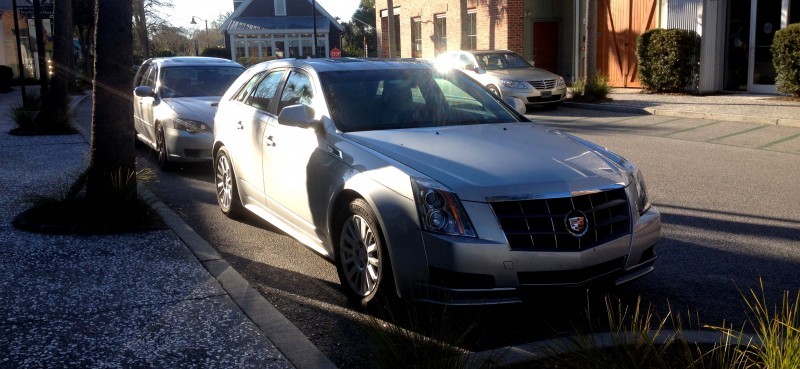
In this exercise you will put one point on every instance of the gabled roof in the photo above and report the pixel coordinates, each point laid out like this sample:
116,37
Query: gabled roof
238,12
277,23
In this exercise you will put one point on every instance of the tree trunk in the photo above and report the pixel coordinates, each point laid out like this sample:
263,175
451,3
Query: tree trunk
112,165
58,98
140,17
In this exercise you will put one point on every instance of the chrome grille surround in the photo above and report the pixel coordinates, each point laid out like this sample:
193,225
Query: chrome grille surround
540,224
545,84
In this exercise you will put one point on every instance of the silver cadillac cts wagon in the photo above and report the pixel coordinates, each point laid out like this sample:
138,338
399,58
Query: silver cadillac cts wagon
419,182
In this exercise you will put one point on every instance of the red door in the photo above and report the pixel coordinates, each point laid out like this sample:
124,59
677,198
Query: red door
545,45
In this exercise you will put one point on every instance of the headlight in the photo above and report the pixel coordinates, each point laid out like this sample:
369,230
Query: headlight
560,81
513,84
191,126
440,210
642,200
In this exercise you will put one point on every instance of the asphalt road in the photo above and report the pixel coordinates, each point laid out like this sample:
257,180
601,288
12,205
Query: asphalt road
731,216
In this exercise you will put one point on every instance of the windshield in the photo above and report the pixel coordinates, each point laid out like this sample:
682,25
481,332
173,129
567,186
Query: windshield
366,100
197,81
496,61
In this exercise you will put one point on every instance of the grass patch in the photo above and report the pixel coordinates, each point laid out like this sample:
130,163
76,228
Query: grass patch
631,337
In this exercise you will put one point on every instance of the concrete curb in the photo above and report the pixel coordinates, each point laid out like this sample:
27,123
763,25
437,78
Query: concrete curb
686,114
291,342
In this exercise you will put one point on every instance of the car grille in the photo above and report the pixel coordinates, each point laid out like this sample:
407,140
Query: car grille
540,224
545,84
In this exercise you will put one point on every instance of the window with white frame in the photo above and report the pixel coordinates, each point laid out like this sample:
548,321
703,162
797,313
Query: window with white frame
472,29
440,33
416,37
280,7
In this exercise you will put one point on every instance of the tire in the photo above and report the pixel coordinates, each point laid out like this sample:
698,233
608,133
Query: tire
362,261
493,89
161,150
226,188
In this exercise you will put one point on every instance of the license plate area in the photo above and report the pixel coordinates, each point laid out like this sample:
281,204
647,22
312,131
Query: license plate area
547,93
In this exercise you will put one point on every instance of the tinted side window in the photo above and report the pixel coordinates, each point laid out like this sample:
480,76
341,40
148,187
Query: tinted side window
248,87
265,91
150,77
298,90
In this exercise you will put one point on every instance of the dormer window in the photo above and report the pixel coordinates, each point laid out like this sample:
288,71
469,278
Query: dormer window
280,7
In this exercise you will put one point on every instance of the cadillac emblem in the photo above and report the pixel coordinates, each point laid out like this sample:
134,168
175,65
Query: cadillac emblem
576,223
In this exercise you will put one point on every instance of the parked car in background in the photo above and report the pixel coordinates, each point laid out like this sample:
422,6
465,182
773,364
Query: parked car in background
507,74
174,101
419,182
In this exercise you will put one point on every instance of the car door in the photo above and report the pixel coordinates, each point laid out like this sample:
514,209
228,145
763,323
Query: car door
143,106
292,159
252,118
147,103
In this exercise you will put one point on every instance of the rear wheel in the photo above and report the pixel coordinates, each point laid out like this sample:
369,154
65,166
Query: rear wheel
225,181
361,258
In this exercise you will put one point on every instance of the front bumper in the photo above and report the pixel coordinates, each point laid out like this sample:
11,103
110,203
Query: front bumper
188,147
533,97
483,272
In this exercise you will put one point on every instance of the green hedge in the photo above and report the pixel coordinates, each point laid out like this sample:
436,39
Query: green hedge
786,58
668,59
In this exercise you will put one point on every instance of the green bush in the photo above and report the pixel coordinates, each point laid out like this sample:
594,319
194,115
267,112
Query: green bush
668,59
216,51
595,90
786,58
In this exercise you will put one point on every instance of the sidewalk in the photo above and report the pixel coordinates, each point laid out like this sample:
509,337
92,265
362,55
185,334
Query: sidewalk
161,299
751,108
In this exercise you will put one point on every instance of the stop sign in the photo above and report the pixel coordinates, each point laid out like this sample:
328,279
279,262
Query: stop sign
336,53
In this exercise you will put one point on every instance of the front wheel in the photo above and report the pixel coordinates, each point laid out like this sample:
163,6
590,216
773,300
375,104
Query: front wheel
361,258
161,150
225,181
493,89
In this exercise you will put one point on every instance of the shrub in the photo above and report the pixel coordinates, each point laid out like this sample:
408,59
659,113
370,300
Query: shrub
6,76
668,59
162,53
786,58
596,89
217,52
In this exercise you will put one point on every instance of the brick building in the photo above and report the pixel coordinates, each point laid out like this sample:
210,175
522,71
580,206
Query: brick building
569,37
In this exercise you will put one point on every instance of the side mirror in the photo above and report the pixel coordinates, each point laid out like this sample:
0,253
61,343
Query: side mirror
480,70
469,66
532,63
299,115
517,104
144,91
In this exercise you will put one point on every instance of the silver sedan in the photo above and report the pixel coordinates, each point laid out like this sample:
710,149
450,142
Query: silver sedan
174,104
419,183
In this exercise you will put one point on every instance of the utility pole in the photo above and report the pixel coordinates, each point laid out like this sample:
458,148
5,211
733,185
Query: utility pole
40,35
19,56
314,16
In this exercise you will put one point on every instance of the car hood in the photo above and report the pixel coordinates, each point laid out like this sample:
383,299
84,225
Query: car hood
522,74
485,161
201,109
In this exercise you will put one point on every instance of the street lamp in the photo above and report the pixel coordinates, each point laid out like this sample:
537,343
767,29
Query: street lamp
196,49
